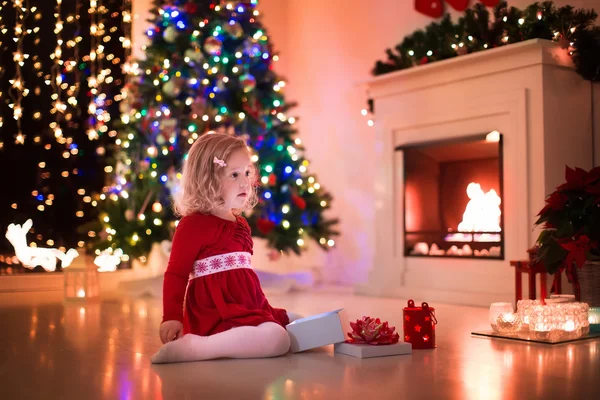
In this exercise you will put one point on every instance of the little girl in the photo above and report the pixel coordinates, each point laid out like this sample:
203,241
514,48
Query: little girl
226,313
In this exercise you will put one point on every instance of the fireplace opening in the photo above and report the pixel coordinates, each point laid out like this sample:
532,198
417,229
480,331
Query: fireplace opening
453,198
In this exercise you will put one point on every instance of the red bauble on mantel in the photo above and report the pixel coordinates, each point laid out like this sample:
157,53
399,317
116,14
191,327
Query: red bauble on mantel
419,325
432,8
435,8
458,5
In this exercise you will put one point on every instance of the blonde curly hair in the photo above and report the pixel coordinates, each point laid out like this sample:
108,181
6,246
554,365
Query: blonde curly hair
201,177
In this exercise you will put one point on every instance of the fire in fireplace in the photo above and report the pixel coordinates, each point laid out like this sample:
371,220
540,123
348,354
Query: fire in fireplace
453,198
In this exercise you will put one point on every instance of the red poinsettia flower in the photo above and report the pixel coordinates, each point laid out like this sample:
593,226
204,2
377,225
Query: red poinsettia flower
579,179
576,248
372,331
556,201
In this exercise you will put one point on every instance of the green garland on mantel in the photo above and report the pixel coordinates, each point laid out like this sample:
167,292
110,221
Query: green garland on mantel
575,30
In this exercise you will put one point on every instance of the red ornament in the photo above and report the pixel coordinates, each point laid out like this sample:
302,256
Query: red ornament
419,325
490,3
274,255
299,202
255,112
372,331
272,179
265,226
431,8
458,5
423,60
190,8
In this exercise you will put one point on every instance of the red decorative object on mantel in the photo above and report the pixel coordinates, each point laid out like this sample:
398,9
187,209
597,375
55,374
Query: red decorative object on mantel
435,8
431,8
419,325
372,331
458,5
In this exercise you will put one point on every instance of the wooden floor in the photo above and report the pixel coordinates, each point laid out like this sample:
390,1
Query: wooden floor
52,350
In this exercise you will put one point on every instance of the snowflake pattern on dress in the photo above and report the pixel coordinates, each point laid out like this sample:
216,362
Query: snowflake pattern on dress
230,261
202,267
222,262
216,263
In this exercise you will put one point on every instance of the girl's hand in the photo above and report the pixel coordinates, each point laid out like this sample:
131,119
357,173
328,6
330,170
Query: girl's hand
170,330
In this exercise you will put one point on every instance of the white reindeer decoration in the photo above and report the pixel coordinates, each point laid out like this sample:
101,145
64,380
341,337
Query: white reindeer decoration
108,260
31,257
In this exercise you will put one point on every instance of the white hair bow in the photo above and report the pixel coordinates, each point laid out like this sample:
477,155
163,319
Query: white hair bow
219,162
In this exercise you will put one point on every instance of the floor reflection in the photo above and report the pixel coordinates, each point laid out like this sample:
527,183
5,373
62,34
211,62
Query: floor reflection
102,351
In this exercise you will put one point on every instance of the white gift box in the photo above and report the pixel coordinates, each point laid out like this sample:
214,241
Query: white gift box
318,330
369,350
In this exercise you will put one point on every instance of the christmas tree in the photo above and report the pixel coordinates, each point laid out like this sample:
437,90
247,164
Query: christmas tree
208,67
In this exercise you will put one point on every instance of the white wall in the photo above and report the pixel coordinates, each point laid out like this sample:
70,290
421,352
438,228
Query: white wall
327,50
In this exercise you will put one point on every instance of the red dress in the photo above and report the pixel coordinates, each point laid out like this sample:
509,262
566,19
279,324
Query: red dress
220,301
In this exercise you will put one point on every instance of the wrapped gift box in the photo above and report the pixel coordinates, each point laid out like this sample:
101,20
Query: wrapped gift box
318,330
369,350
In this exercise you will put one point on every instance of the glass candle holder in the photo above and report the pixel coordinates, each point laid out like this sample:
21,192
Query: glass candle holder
541,321
594,319
559,320
524,311
497,309
508,322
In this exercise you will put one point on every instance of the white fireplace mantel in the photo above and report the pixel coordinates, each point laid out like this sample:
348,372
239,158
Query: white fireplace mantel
528,92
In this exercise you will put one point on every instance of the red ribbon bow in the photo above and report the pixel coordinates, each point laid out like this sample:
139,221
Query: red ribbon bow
372,331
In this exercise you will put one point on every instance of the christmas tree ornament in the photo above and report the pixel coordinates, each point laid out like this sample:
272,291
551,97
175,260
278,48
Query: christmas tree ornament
168,127
272,179
190,8
171,88
194,55
299,201
129,215
252,48
234,29
198,106
248,82
274,255
213,46
170,34
265,226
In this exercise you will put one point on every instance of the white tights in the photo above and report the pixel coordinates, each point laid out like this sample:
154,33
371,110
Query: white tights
266,340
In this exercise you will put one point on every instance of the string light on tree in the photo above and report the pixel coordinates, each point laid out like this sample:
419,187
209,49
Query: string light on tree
17,90
3,50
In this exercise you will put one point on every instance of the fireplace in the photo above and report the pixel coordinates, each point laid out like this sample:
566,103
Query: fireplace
453,197
506,119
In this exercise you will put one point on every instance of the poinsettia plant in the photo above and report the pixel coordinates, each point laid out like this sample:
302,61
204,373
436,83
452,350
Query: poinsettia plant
570,222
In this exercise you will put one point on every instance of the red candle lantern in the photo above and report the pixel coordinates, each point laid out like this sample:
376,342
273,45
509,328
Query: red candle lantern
419,325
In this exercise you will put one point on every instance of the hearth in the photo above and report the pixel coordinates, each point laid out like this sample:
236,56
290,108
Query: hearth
453,197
